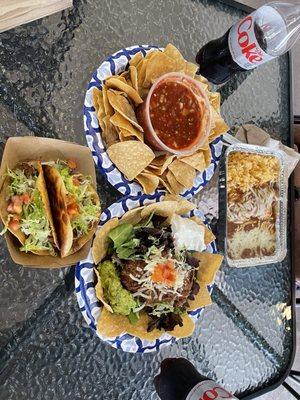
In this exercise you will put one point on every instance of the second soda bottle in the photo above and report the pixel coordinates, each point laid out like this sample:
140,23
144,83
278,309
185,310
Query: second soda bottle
179,380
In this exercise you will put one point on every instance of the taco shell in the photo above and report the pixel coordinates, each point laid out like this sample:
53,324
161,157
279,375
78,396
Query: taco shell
41,186
58,200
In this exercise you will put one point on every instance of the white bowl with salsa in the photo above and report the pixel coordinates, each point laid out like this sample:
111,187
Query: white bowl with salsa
176,114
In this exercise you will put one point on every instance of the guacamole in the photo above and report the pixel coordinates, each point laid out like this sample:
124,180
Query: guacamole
120,299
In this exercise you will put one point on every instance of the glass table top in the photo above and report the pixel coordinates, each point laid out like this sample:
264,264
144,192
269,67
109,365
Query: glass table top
47,351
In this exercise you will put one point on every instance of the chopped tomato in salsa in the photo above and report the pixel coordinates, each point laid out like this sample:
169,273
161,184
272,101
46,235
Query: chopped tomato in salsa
175,114
164,273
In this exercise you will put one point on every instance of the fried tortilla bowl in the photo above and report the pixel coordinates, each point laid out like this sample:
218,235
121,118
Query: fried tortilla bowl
116,107
112,325
41,188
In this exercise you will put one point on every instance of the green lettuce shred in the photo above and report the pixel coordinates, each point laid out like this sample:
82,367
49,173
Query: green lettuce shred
33,220
88,211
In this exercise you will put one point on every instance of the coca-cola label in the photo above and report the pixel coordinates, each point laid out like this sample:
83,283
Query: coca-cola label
209,390
243,44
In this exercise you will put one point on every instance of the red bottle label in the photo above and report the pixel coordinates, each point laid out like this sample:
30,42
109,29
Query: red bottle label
209,390
243,44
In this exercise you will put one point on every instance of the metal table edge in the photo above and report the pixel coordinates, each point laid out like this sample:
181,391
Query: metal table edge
296,119
290,231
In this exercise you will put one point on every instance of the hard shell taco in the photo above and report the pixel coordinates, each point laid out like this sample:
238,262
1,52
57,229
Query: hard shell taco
74,202
25,209
152,269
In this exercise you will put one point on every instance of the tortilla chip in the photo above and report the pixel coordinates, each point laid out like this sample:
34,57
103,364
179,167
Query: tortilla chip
119,121
99,292
122,105
220,126
195,160
207,156
112,325
202,298
124,136
127,135
123,76
109,133
164,183
151,53
136,59
148,181
184,173
97,98
208,235
162,208
132,216
172,52
141,72
184,206
190,69
116,83
158,65
99,107
130,157
175,186
100,243
215,100
204,146
134,77
162,162
107,106
202,81
208,266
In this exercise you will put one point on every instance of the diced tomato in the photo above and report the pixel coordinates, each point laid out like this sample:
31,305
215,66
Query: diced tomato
76,181
14,223
16,200
25,198
164,273
10,207
17,208
70,199
72,164
72,209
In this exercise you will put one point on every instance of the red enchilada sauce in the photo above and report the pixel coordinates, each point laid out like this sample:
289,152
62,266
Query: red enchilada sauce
175,115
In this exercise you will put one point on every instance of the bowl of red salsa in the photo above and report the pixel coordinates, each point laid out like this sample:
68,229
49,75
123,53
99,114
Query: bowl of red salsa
176,114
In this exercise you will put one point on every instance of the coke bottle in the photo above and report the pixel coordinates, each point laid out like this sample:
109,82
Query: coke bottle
268,32
179,380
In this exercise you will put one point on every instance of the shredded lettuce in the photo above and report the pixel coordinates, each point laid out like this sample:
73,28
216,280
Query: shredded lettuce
163,308
88,211
20,183
35,225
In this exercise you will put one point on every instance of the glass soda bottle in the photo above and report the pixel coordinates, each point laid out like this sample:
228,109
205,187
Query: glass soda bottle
179,380
268,32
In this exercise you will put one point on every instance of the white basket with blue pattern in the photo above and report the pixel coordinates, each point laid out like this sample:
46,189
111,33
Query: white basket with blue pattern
113,65
90,306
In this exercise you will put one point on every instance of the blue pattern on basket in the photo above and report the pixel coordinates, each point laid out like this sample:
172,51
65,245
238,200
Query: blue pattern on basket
116,64
89,305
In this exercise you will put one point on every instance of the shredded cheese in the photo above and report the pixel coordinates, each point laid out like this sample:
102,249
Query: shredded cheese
259,241
149,289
